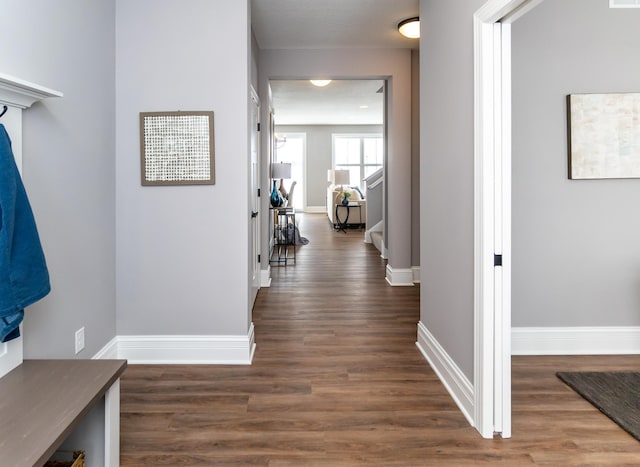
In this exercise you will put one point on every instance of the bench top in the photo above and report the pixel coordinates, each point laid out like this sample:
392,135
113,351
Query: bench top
41,401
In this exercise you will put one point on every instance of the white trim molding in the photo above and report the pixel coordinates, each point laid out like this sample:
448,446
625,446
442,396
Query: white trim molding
609,340
416,274
379,227
492,213
399,277
169,349
109,351
22,94
112,425
454,380
265,277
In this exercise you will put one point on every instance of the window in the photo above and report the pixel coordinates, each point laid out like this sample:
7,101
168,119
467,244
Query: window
361,155
293,150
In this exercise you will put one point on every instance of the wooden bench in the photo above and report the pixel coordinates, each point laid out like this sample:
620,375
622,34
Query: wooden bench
42,401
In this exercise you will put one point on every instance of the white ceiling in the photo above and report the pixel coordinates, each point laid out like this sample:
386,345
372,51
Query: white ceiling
320,24
342,102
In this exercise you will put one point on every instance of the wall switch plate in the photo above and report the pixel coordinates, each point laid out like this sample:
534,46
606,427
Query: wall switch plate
80,339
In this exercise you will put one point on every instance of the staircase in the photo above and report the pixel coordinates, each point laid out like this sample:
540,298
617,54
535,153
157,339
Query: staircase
374,186
377,239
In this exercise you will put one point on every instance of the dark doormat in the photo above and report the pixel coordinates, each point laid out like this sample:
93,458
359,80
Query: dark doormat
615,394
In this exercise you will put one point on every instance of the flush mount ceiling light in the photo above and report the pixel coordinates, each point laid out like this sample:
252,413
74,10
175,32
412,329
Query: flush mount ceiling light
410,27
320,82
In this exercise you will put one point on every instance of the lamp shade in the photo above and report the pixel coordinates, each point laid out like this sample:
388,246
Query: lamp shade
281,170
342,177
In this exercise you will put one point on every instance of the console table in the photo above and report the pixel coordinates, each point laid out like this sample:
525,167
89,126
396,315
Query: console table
42,401
284,238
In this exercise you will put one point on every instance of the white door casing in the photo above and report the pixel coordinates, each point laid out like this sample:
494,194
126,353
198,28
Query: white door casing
254,112
492,155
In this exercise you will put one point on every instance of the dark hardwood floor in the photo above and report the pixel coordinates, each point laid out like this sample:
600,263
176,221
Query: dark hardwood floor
337,381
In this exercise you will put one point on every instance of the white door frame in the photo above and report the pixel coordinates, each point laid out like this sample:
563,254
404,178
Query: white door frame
254,199
492,219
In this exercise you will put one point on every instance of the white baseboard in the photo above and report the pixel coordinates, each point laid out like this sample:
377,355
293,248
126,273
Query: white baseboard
109,351
416,274
385,253
453,379
168,349
265,277
606,340
399,277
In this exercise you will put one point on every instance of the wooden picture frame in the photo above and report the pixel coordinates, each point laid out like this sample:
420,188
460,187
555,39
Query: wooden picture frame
177,148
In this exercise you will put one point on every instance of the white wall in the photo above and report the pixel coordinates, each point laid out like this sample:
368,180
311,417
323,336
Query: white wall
394,64
69,147
576,248
319,154
182,252
446,176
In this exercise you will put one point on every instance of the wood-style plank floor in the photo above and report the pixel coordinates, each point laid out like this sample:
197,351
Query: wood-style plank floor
338,381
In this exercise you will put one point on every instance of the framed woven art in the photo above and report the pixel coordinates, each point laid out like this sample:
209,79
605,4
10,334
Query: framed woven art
176,148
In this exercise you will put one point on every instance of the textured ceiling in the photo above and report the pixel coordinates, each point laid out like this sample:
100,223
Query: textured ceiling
320,24
342,102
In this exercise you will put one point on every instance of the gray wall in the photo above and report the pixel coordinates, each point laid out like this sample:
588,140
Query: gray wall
255,57
319,150
182,254
394,64
415,158
446,175
69,147
576,248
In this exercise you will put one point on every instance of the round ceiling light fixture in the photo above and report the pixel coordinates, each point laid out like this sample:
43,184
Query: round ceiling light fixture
320,82
410,27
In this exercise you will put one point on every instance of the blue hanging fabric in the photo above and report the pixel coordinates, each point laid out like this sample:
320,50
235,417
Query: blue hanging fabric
24,278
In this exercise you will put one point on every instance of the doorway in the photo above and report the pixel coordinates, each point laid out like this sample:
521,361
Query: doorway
308,118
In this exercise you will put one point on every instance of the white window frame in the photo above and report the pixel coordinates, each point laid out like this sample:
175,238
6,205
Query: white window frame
362,165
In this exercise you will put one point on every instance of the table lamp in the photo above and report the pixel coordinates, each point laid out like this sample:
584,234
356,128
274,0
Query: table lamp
281,171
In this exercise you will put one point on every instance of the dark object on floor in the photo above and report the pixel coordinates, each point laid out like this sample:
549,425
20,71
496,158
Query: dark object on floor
615,394
293,236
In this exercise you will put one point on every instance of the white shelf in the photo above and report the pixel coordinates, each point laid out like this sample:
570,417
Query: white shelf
17,92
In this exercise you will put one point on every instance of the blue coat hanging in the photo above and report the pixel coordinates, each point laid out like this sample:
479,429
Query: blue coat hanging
24,278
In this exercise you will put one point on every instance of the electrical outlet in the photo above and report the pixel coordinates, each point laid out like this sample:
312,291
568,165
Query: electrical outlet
80,339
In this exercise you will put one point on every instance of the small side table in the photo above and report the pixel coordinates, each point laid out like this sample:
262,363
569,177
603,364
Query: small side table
342,224
284,237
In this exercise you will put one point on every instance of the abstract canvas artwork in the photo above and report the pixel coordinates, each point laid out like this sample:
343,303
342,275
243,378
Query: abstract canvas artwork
604,136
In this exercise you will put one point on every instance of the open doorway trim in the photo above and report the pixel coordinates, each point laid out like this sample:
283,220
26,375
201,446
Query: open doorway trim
492,219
